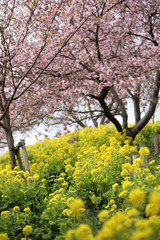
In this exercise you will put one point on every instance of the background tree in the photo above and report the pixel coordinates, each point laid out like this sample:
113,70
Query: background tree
31,38
84,113
116,52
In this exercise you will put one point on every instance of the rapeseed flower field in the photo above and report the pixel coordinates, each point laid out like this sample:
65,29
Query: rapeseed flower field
86,185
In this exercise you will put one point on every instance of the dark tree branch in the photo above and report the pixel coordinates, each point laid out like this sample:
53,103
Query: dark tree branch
97,43
141,36
122,107
114,5
107,112
151,24
141,124
77,120
3,126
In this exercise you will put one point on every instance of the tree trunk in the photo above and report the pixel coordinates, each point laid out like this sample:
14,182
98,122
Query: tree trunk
137,112
10,141
151,110
25,156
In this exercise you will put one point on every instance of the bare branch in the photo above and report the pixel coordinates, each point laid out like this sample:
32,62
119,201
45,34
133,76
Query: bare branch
141,36
122,107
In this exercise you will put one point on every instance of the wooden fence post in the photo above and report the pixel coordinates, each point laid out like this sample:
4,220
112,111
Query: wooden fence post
19,160
25,155
19,156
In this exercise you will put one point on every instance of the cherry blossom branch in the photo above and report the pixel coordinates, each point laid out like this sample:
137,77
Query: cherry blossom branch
114,5
16,87
97,43
10,17
52,59
11,68
141,36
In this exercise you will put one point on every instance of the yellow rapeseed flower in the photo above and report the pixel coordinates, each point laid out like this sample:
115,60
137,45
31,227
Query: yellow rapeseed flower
83,232
29,179
152,162
158,168
114,207
157,188
125,173
102,215
26,174
117,223
26,239
137,196
154,219
16,168
70,234
69,201
27,230
123,194
77,206
27,210
5,213
106,233
36,176
114,186
138,162
16,209
67,212
132,212
142,234
150,177
4,236
127,184
43,180
112,201
105,180
152,209
144,151
154,198
142,224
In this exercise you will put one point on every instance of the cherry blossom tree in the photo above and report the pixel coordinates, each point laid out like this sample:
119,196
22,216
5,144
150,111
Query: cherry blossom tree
30,40
116,52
